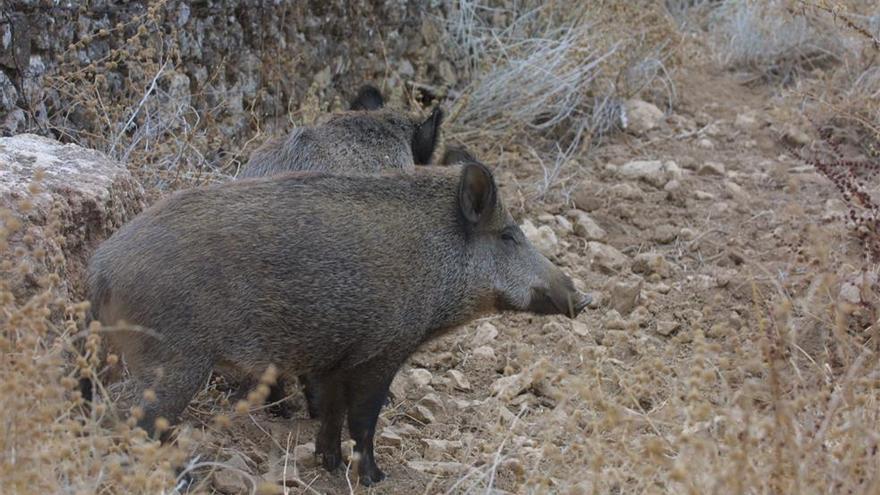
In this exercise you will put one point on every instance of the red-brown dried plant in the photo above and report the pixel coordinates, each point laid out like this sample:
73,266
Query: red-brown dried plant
853,178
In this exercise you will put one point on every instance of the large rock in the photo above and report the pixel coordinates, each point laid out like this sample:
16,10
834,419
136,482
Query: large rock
58,202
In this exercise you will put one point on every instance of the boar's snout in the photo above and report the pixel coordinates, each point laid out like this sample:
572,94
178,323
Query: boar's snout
559,297
585,300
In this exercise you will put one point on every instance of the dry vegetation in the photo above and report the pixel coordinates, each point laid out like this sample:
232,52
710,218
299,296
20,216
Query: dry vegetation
750,365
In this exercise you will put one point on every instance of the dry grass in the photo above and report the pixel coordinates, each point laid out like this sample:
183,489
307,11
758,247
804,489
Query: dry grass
48,442
559,78
774,40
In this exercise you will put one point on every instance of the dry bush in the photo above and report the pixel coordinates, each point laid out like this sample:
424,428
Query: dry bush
844,108
846,100
775,40
552,76
856,180
49,442
120,90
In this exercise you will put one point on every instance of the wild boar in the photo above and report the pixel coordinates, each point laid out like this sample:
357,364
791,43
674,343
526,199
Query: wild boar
336,276
367,140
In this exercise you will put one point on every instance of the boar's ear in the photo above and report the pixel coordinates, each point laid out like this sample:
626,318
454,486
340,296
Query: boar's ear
457,154
425,138
368,98
476,192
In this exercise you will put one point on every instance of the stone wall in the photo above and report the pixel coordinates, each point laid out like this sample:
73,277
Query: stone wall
241,64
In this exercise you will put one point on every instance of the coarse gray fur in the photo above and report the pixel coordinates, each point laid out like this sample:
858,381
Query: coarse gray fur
366,140
340,277
354,142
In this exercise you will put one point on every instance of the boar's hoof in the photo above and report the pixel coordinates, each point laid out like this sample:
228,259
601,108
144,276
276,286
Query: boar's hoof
331,457
313,411
281,410
370,474
331,461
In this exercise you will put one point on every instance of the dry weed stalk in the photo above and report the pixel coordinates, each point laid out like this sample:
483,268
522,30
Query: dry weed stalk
50,442
852,178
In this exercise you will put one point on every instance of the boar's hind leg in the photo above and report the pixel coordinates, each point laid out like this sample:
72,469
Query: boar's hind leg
278,398
280,407
174,384
310,390
367,389
331,411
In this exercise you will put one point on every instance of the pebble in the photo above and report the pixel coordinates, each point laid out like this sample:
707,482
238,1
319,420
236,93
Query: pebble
439,468
641,116
436,450
580,328
711,168
231,480
459,380
667,328
420,377
486,333
422,414
625,294
650,263
484,353
586,227
654,172
543,238
389,438
605,258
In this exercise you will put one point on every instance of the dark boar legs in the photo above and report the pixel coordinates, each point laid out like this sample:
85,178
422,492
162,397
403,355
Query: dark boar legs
366,394
361,392
310,391
174,384
331,411
278,398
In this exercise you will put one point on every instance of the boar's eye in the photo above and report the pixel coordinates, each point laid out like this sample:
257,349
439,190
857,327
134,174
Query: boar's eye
509,235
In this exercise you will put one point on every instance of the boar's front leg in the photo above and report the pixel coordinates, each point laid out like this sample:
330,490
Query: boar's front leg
366,391
331,411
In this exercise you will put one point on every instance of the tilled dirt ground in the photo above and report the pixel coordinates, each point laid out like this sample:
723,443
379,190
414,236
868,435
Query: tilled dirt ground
685,258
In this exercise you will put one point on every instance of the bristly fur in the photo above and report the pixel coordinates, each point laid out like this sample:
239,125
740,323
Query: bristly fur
356,142
340,277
